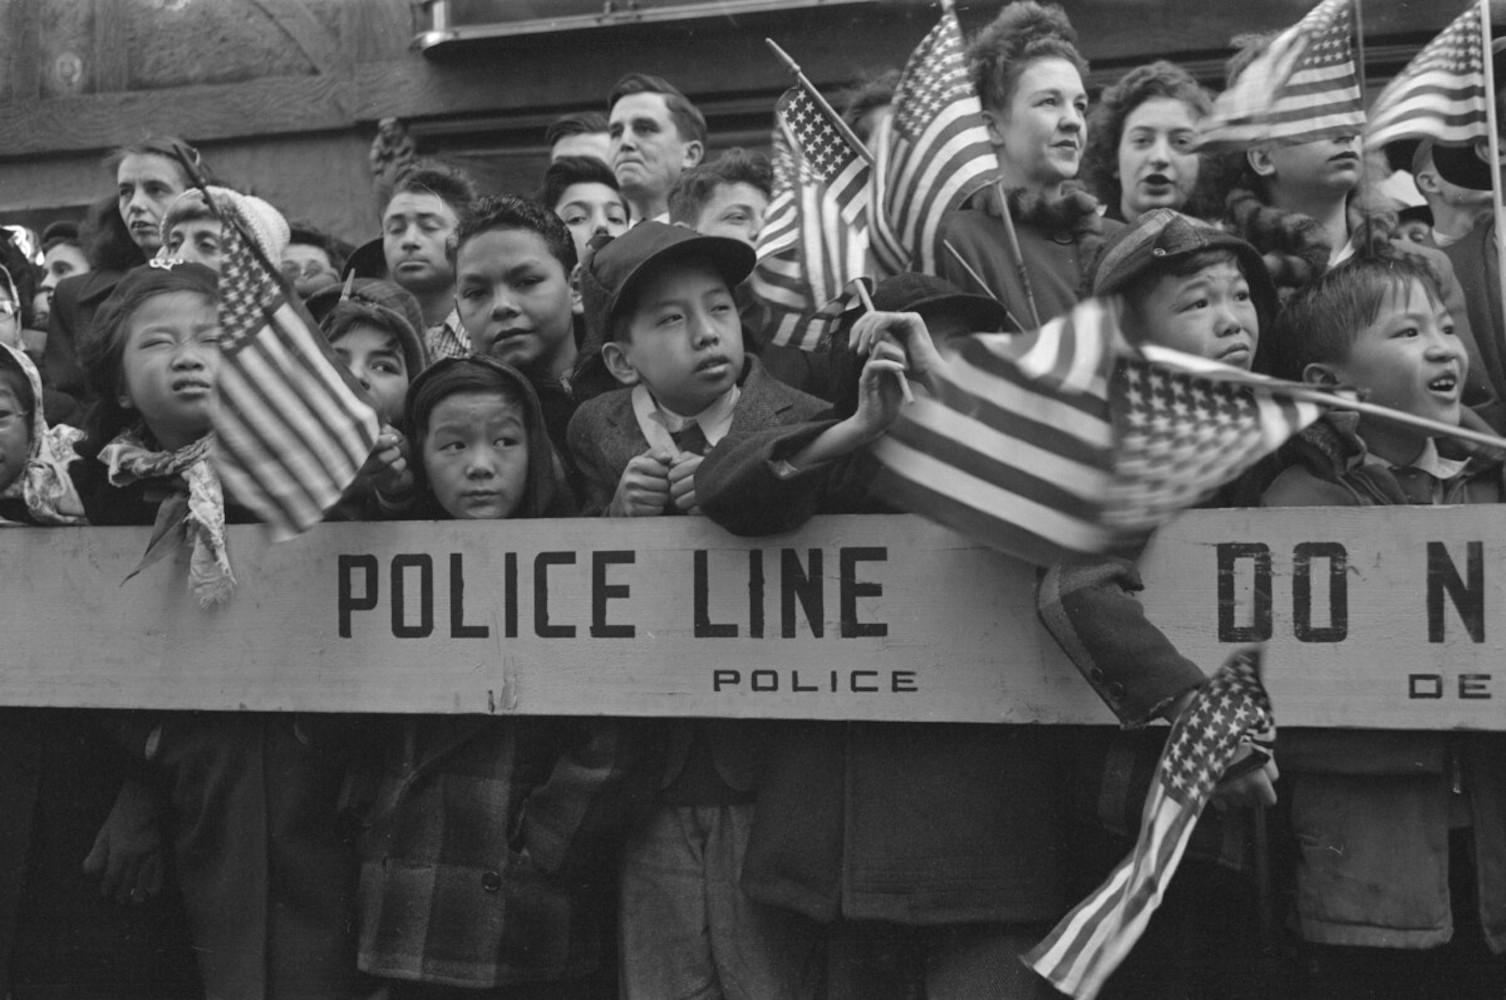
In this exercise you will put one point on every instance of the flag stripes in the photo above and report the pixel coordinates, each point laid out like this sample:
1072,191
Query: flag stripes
1440,95
1302,88
815,235
1085,948
1065,441
931,152
291,432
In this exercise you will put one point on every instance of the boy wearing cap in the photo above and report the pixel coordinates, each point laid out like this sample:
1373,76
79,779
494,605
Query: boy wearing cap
660,297
1191,287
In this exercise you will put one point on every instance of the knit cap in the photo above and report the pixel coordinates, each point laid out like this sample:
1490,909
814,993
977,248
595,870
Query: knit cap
369,298
263,223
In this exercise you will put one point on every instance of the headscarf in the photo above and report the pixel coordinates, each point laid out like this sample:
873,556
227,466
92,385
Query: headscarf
44,483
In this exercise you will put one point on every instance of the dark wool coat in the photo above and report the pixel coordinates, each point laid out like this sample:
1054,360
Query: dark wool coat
910,823
1370,810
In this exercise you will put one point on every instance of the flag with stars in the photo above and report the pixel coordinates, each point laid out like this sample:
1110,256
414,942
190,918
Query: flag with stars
930,154
814,240
1302,88
291,428
1441,94
1091,941
1066,441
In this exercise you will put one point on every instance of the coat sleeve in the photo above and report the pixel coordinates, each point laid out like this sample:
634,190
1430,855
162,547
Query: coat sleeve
598,785
745,485
1090,609
598,479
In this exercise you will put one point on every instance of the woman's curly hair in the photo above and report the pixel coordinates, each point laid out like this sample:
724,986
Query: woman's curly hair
1022,33
1100,158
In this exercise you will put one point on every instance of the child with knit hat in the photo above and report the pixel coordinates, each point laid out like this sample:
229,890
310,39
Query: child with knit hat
375,329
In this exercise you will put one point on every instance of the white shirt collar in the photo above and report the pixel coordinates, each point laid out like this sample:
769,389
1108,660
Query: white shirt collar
658,423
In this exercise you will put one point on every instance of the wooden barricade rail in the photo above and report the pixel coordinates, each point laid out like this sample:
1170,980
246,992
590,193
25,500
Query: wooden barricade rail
1373,618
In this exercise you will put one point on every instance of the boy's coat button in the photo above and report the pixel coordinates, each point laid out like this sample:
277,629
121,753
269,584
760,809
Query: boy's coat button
491,882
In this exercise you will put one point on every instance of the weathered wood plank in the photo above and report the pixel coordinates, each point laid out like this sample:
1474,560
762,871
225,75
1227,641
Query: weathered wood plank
23,46
112,51
322,50
271,106
1387,618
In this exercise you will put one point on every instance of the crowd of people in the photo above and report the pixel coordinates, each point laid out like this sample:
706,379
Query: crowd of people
593,349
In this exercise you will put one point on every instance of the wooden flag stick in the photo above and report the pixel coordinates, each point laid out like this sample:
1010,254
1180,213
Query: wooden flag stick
1491,125
815,95
1433,427
904,383
1013,240
978,278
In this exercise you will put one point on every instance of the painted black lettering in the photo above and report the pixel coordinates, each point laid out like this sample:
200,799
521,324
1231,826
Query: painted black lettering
424,563
347,602
601,592
458,628
796,583
764,680
705,628
725,678
755,593
510,598
852,588
541,626
1424,686
1474,686
1468,598
1337,628
902,681
1230,554
863,689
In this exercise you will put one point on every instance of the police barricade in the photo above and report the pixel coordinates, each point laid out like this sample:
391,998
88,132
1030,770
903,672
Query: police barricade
1381,617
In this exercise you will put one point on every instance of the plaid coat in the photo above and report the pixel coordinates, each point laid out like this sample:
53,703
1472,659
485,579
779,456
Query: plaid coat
478,849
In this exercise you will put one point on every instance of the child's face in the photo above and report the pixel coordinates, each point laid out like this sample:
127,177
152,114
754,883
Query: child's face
1157,166
684,338
414,229
1209,314
1328,166
169,364
145,185
15,433
196,241
515,301
475,455
1409,359
375,358
735,211
10,320
590,208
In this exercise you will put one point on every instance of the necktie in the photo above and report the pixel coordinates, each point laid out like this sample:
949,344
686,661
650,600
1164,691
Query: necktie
690,438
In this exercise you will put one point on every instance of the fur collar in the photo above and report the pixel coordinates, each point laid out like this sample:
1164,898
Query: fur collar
1073,214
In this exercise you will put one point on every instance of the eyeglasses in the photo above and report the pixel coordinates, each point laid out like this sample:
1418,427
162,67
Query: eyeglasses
310,269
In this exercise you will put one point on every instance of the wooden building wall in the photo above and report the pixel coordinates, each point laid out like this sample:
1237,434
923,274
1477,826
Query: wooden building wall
283,96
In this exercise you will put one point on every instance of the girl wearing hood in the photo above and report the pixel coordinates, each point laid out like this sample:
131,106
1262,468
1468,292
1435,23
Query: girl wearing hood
475,830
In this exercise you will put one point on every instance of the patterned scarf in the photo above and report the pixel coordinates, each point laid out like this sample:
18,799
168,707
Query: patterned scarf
201,514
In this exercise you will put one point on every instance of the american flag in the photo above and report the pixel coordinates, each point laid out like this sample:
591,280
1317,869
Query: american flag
1091,941
1303,87
1065,441
815,235
1441,94
291,430
930,154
